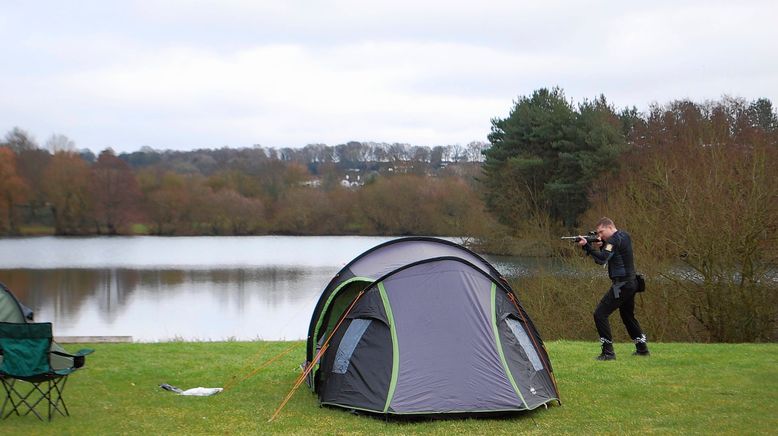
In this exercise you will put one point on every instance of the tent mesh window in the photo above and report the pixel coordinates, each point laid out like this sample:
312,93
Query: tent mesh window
524,341
349,342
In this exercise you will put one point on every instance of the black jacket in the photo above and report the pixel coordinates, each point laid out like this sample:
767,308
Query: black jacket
617,252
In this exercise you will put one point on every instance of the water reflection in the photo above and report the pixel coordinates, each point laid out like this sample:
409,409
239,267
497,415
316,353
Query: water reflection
207,288
259,303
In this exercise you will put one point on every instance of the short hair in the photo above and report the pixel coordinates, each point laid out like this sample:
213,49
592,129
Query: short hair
605,222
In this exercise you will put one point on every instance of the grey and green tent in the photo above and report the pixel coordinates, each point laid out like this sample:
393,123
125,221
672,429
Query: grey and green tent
424,326
11,309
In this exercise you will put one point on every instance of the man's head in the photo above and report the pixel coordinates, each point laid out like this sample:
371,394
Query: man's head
605,228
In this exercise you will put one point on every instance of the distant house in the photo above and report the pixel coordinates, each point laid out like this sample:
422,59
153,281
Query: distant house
403,167
352,179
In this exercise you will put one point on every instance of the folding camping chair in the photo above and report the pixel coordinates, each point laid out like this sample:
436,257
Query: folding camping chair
26,358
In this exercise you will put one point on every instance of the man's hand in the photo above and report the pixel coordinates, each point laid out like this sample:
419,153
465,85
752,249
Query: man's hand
582,241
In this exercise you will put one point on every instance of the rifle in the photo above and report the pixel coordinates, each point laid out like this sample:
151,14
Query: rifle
590,237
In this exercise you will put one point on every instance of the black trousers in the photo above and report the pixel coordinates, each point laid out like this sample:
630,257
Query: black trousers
626,305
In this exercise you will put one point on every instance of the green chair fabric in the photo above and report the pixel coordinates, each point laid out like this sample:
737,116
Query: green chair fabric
25,348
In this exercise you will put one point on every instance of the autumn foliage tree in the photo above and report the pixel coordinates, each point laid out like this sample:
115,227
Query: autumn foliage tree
413,204
170,200
226,212
67,185
115,193
13,191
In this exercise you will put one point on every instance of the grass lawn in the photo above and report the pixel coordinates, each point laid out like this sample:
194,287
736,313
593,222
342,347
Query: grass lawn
681,388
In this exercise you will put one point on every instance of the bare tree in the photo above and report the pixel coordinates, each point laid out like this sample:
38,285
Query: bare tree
475,151
421,154
20,140
60,143
398,152
457,153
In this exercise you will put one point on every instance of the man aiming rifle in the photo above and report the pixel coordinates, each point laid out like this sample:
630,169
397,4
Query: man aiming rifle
607,244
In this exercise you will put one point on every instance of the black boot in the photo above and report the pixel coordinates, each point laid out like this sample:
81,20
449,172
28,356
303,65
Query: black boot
607,350
641,346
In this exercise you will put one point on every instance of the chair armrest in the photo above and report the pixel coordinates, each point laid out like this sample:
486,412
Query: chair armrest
79,353
78,359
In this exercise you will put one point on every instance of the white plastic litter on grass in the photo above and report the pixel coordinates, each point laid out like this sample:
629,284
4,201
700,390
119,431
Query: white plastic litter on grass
201,391
196,392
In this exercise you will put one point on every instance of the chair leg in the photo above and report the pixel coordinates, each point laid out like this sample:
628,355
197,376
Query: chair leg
41,397
49,391
58,386
12,390
48,397
5,398
15,398
8,387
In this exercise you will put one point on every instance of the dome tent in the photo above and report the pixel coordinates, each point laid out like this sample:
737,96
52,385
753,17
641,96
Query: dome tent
428,327
11,309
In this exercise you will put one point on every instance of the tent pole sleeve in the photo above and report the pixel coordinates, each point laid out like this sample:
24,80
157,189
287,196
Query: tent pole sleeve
331,297
395,348
544,352
498,343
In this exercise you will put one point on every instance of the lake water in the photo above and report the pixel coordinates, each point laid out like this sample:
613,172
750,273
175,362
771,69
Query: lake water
198,288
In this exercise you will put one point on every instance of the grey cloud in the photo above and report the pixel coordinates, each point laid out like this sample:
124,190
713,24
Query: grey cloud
106,73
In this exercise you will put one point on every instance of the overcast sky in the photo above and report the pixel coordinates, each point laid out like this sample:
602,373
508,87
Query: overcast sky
193,74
